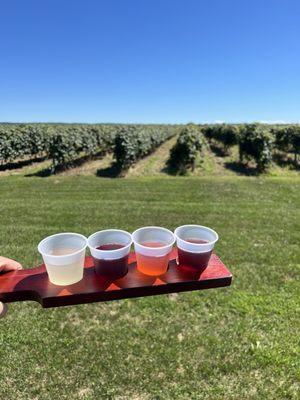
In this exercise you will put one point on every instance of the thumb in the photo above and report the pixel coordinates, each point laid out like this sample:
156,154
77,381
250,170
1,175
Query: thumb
3,309
9,265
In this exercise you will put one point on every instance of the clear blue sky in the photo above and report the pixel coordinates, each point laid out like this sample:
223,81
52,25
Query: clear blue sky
150,60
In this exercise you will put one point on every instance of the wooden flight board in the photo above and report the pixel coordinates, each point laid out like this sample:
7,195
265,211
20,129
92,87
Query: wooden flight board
33,284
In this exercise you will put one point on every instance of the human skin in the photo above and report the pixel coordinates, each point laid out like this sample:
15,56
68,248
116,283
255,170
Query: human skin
7,265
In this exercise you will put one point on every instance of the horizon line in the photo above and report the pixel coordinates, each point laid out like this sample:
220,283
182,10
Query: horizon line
216,122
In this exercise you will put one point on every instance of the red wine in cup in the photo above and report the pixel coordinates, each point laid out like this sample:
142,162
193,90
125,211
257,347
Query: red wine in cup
110,246
197,261
112,269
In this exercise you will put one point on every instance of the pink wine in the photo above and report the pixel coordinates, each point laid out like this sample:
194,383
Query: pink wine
197,261
151,265
112,269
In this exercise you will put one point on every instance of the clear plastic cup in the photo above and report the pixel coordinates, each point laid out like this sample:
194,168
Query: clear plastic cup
110,250
63,256
195,244
152,247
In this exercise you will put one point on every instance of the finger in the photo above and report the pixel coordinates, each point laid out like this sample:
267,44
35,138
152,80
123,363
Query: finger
9,265
3,309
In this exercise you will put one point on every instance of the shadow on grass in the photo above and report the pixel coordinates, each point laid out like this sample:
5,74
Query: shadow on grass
112,171
21,163
283,160
241,168
174,170
43,173
64,167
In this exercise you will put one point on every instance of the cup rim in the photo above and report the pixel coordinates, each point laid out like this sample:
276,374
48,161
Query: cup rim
62,234
157,228
109,230
197,226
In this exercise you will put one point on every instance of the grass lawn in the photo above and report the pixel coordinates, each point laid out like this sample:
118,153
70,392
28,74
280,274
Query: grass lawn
240,342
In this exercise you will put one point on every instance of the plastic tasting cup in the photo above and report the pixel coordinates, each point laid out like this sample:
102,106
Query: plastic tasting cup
63,256
195,244
153,245
110,250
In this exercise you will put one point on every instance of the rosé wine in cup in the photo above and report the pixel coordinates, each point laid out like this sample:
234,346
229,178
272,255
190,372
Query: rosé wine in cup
110,250
195,244
153,245
63,256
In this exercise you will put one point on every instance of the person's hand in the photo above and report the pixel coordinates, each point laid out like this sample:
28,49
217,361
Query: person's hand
7,265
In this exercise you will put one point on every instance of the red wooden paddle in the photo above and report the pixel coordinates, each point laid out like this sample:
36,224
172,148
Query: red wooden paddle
33,284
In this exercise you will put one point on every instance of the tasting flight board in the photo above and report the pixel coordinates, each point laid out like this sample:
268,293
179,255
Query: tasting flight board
33,284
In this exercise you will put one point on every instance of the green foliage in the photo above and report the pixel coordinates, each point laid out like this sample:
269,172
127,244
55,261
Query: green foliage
63,143
60,142
256,141
185,151
281,138
225,134
64,147
18,141
68,143
295,141
287,139
134,142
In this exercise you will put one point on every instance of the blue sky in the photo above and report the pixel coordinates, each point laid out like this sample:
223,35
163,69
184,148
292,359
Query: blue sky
150,61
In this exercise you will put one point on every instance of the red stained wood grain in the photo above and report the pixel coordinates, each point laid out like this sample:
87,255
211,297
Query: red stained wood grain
33,284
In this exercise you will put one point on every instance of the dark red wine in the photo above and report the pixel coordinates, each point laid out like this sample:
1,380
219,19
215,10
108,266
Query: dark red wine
197,261
110,246
112,269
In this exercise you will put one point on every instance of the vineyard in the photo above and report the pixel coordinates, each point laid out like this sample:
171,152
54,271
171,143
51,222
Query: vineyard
63,144
257,143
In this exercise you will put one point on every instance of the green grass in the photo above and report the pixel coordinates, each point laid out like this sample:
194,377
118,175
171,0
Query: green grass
240,342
